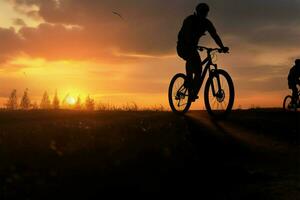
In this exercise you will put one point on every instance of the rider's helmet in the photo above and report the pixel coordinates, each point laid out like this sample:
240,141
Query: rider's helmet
297,62
202,10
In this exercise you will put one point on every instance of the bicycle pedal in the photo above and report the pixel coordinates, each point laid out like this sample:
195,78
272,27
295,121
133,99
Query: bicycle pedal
193,99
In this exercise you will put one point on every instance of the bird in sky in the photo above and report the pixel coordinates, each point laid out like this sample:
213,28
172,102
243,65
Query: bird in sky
118,14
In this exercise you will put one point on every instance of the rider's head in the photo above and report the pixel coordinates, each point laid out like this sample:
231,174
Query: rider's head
297,62
202,10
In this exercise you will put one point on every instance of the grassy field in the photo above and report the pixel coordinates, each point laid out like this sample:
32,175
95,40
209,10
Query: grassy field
63,154
48,151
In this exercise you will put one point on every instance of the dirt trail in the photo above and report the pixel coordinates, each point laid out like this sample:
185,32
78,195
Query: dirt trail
242,135
267,168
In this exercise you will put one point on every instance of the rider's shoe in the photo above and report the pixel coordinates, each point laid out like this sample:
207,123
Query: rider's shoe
193,98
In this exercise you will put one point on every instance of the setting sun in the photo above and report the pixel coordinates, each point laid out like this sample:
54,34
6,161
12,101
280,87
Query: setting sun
71,100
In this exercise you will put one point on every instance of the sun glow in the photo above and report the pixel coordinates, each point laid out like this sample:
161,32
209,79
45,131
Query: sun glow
71,100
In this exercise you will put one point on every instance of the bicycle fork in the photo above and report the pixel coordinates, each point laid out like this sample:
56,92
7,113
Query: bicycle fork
214,92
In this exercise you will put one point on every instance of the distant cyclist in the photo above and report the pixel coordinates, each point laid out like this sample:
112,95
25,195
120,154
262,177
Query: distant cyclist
194,26
293,80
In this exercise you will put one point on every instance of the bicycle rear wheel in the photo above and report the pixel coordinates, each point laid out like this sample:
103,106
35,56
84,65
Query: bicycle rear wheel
179,98
219,100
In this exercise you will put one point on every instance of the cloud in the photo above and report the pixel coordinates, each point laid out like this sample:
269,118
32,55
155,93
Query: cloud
19,22
151,27
10,44
88,30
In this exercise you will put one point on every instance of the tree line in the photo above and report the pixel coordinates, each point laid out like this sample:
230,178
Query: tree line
46,103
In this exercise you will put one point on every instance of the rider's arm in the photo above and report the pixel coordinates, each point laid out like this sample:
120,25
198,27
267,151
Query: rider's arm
213,32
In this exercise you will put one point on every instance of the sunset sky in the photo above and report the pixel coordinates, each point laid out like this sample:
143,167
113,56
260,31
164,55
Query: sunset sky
80,47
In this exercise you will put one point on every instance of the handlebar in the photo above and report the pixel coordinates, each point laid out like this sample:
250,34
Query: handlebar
201,48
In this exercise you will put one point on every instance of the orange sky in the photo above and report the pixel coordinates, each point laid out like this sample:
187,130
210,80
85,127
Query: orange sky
80,48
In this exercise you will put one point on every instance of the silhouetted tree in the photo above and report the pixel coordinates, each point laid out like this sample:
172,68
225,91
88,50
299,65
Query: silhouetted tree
45,102
12,103
78,103
64,103
25,101
89,103
55,102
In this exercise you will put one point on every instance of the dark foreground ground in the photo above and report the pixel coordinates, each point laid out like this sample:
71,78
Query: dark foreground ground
254,154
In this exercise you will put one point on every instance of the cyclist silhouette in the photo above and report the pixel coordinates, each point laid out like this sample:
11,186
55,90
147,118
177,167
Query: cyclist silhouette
293,80
195,26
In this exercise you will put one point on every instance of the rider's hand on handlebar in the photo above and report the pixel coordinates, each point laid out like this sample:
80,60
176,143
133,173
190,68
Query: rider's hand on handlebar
225,50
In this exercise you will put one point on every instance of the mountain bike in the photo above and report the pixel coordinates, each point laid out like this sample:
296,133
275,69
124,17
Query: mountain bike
288,105
218,91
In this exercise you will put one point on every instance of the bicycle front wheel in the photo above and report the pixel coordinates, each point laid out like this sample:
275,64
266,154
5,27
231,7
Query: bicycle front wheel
287,104
179,98
219,94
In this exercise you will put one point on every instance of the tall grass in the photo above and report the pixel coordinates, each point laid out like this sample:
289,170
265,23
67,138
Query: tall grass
129,106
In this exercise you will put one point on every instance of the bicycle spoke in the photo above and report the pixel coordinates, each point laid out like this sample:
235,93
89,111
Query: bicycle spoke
211,98
214,102
225,103
222,83
179,94
176,86
178,105
221,105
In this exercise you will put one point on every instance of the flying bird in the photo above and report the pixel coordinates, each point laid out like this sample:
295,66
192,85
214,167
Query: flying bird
118,14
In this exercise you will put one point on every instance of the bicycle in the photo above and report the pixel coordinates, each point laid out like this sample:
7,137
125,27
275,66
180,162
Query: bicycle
288,105
218,91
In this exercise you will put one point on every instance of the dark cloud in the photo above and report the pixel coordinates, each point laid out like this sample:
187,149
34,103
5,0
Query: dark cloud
150,26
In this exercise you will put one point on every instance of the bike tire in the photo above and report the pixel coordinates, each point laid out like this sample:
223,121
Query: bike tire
171,96
223,112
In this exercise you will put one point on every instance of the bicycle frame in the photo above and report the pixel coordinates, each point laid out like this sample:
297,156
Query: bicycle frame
207,68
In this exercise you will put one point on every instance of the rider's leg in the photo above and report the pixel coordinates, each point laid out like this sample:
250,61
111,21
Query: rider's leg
197,70
294,94
198,73
184,53
293,86
189,74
